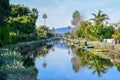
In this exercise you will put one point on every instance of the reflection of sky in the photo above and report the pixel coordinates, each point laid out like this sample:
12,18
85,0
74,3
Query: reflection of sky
59,67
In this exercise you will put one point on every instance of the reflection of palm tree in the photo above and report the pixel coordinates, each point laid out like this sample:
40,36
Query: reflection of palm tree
98,64
53,49
68,51
76,63
44,63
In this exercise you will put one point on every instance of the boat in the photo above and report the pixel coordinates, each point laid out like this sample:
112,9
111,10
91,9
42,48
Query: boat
100,50
88,47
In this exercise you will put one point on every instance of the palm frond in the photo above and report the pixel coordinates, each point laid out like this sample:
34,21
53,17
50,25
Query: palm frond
94,15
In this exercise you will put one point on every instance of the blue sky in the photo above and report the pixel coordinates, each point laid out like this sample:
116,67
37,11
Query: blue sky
60,12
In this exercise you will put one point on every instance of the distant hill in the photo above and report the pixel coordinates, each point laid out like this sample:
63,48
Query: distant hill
63,30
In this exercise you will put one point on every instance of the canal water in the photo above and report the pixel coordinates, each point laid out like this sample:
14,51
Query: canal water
65,63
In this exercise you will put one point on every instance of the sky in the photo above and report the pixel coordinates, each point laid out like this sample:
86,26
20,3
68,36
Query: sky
59,12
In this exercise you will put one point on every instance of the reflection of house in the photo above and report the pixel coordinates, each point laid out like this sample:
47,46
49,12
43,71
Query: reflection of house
116,25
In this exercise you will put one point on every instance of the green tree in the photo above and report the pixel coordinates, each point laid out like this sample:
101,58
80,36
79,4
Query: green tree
18,10
4,11
99,17
83,29
43,32
105,31
22,20
34,13
4,27
4,34
119,34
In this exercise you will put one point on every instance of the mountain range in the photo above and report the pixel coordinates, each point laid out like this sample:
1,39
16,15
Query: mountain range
63,30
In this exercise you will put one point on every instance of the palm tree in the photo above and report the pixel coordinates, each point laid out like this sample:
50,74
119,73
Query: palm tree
76,19
44,17
99,17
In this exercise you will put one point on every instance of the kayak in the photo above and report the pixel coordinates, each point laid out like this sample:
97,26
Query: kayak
100,50
87,47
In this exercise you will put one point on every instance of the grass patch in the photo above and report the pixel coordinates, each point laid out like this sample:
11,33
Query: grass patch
11,67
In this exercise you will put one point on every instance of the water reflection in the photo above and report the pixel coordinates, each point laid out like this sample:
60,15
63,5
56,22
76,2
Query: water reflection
44,63
97,64
53,49
75,63
28,61
30,55
64,63
68,51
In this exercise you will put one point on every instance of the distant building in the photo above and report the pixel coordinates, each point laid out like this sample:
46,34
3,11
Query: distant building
116,25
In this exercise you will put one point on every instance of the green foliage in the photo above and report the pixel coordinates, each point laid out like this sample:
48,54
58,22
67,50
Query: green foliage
22,21
84,29
68,35
4,34
99,17
116,34
106,31
25,24
119,34
4,11
34,13
18,10
79,33
94,32
12,37
12,67
98,64
20,24
44,32
97,30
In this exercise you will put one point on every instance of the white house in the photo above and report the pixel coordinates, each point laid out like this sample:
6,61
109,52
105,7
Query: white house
116,25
